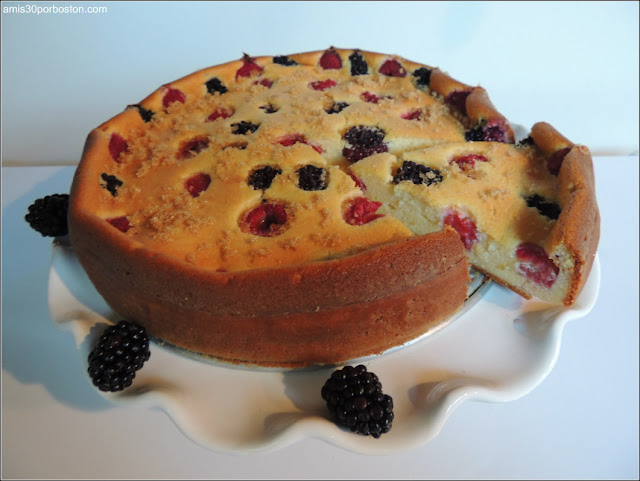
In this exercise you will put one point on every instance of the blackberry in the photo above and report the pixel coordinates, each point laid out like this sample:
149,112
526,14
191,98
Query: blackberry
475,134
365,141
545,207
260,179
311,177
146,114
48,215
284,60
355,400
215,85
111,183
337,107
417,173
242,127
527,141
358,64
269,108
423,76
121,351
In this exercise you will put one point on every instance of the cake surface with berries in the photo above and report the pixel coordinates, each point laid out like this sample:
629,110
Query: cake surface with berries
323,206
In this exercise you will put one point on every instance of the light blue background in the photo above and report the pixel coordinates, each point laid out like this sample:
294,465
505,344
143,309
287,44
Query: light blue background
572,64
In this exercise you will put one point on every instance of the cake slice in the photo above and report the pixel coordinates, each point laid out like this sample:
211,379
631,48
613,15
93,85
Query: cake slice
525,213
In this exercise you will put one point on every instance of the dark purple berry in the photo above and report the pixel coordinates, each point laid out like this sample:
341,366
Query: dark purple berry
364,141
269,109
120,352
243,127
475,134
417,173
356,402
527,141
48,215
423,76
545,207
146,114
311,177
337,107
358,64
261,179
284,60
111,183
215,85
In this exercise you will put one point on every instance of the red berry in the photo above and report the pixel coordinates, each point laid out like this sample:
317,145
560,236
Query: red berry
323,84
412,114
458,100
392,68
467,162
330,60
173,95
289,140
197,184
220,113
361,211
358,182
265,82
266,220
248,68
372,98
117,145
193,147
495,130
465,228
120,223
536,264
555,161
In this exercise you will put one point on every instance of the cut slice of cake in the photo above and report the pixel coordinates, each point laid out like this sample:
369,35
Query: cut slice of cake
514,206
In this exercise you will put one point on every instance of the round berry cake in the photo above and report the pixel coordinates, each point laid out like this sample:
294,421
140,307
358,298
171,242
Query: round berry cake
323,206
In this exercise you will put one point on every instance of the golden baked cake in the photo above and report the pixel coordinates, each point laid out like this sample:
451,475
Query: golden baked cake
317,207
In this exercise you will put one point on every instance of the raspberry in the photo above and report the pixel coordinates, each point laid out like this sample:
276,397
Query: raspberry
284,60
265,82
48,215
337,107
292,139
117,145
358,182
536,264
412,115
364,141
458,100
112,183
215,85
311,177
220,113
243,127
372,98
323,84
330,60
193,147
423,76
417,173
392,68
546,208
261,179
465,228
198,183
355,401
361,211
146,114
173,95
120,223
467,162
248,68
555,161
266,220
120,352
358,64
